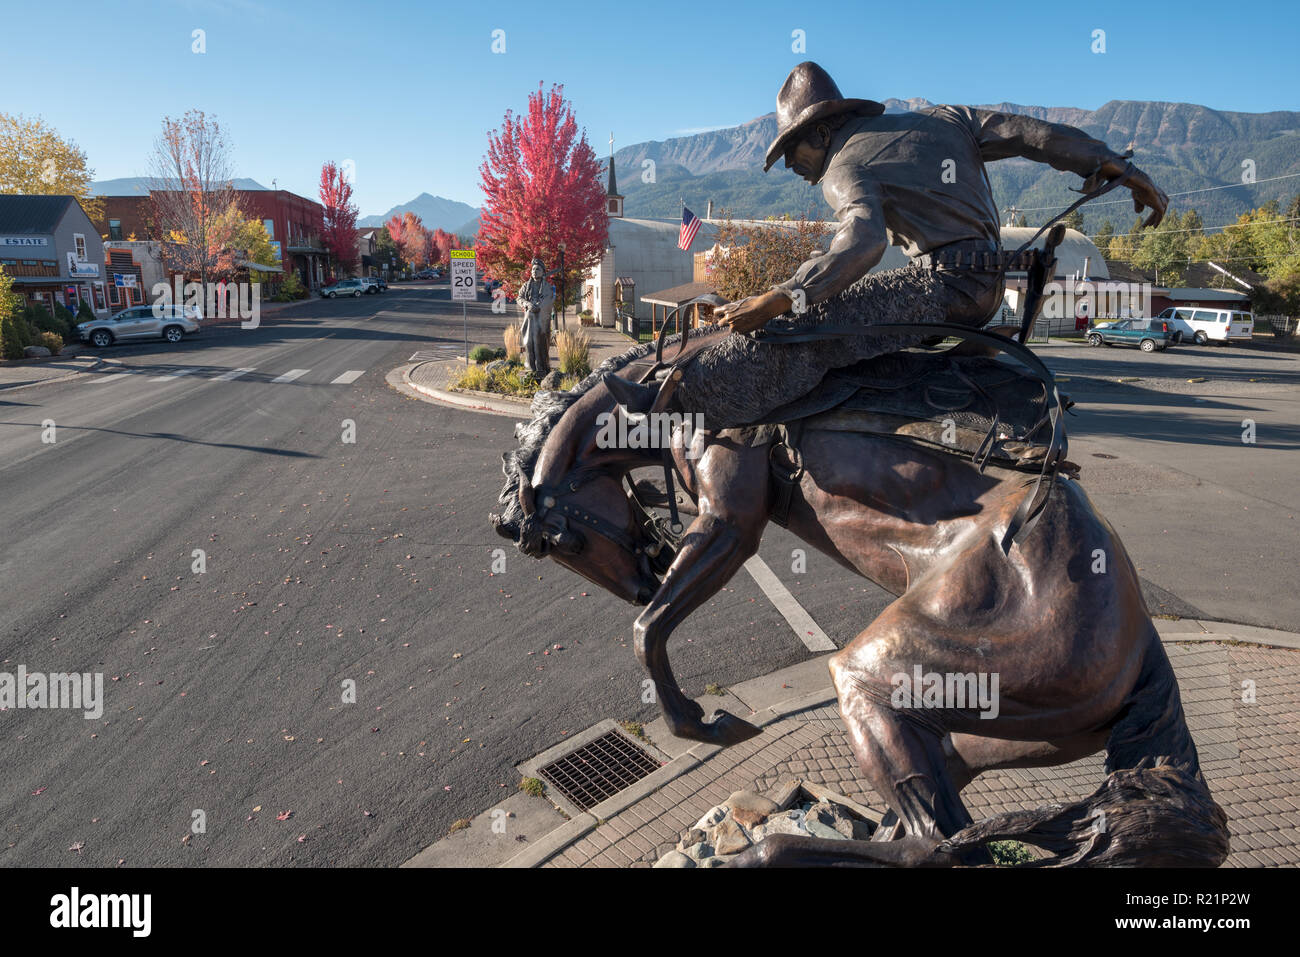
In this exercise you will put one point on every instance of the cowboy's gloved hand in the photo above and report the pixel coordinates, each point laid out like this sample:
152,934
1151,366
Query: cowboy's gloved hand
1145,192
753,312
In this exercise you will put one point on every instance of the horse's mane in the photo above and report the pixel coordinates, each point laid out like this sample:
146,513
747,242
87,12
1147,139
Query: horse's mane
547,409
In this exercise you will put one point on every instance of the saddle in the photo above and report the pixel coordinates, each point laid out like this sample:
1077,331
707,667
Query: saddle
972,406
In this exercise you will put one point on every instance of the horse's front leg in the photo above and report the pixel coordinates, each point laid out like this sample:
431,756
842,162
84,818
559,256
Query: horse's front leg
734,495
712,551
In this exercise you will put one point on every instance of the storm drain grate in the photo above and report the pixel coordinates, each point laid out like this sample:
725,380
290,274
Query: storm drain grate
599,770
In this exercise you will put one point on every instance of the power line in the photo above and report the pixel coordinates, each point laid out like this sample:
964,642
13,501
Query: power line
1187,192
1263,222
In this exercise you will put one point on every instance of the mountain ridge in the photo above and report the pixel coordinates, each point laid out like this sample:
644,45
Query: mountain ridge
1183,146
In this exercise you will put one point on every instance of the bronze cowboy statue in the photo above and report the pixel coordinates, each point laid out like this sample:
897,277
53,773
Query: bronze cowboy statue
913,468
915,180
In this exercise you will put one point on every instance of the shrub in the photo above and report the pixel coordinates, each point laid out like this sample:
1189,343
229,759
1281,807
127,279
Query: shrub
514,342
9,338
575,353
471,377
85,313
50,340
1009,853
64,320
500,354
482,354
293,288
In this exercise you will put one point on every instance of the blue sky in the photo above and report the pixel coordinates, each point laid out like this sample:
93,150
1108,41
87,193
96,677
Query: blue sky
409,90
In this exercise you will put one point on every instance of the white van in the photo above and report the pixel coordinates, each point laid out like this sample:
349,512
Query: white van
1208,325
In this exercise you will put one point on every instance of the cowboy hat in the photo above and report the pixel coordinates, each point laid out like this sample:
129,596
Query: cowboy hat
808,95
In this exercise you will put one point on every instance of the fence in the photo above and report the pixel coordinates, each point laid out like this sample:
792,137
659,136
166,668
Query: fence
1278,325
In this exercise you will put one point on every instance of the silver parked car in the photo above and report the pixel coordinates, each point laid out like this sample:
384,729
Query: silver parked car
344,287
170,322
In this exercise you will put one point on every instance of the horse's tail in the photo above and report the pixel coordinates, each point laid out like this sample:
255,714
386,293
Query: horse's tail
1153,809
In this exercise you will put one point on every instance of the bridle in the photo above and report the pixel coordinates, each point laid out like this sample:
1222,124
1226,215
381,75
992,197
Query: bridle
553,515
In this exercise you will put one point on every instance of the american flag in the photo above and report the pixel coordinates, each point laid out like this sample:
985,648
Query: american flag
690,226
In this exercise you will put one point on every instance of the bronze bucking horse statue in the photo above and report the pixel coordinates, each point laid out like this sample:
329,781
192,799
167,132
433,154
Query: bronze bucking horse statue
1079,664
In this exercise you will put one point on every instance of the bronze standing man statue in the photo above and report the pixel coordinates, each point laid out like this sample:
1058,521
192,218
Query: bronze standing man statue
535,300
915,180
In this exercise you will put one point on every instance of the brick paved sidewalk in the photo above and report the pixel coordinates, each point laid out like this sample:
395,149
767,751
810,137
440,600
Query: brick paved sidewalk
1250,755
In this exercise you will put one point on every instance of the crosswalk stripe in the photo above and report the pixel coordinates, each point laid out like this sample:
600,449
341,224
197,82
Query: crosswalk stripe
352,375
115,377
174,375
291,375
233,374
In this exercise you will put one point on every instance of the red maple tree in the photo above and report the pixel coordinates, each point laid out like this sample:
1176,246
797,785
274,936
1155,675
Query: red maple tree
543,188
340,230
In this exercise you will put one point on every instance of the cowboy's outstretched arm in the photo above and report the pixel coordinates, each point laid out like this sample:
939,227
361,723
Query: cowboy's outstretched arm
858,244
1062,147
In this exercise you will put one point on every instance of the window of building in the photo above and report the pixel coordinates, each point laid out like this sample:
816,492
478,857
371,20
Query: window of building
113,297
99,297
270,227
115,229
80,242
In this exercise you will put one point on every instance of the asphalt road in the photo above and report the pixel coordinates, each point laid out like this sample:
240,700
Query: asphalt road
371,562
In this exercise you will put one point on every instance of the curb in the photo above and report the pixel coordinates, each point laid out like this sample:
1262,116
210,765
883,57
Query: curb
489,406
99,361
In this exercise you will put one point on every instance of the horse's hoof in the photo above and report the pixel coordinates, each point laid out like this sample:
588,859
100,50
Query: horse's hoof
726,729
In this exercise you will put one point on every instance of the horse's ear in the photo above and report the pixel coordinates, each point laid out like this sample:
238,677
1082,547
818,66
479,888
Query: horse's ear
631,396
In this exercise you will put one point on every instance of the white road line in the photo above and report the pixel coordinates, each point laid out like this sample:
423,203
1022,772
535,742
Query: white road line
291,375
115,377
174,375
352,375
233,374
809,631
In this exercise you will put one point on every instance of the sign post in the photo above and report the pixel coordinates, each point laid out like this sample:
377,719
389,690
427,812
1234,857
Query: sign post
463,287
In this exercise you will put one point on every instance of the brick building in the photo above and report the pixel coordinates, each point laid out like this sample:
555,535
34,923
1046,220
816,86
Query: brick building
294,223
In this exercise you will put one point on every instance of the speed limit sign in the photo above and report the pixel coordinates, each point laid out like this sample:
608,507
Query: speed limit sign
463,288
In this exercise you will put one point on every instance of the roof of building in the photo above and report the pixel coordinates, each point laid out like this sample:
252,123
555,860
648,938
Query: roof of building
1201,280
680,294
21,215
1072,254
613,185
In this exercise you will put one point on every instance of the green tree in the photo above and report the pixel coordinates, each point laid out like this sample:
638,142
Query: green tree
1103,237
1163,250
387,251
36,160
1074,220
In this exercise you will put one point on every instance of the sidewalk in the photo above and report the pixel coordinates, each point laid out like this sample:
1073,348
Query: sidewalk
1250,756
429,378
19,375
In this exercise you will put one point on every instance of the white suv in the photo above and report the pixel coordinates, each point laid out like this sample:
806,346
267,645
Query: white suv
1208,325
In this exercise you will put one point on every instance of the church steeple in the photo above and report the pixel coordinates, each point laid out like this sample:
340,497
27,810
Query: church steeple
613,201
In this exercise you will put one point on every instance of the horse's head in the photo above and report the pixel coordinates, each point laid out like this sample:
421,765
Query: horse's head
565,498
565,495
